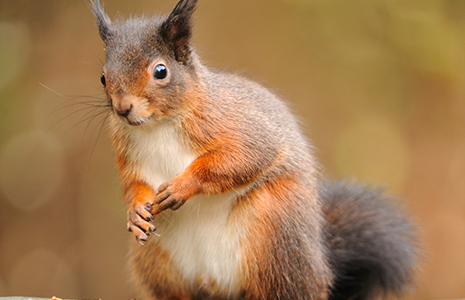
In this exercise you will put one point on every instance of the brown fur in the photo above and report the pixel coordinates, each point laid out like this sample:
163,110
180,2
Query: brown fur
279,244
154,275
243,138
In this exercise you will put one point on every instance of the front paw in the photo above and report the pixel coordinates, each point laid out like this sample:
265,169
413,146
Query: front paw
139,218
170,195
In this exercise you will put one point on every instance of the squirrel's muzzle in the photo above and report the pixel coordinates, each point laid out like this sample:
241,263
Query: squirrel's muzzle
124,109
131,109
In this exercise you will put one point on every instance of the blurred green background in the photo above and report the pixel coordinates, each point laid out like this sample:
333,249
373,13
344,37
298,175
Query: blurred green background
379,86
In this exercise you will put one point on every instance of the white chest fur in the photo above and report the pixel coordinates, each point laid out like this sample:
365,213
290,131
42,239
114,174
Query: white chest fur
159,153
202,240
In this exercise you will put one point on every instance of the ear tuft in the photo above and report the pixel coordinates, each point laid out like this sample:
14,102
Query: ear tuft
184,7
176,30
103,21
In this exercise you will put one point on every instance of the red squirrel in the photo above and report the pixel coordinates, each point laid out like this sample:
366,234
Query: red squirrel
216,170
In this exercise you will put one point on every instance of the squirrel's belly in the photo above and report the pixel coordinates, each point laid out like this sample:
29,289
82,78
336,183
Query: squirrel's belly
204,243
200,237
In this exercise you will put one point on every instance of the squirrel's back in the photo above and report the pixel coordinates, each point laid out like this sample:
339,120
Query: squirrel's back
258,114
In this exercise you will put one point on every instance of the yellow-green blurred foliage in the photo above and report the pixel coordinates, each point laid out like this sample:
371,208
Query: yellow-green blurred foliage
378,84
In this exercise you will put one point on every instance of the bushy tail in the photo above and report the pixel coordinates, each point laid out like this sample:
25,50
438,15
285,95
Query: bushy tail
372,246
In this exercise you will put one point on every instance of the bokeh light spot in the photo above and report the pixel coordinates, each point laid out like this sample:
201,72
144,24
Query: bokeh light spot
43,273
31,169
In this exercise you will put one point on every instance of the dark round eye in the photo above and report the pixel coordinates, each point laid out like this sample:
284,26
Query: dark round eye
160,71
102,79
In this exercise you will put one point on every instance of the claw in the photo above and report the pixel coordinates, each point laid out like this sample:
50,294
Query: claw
148,206
152,231
140,240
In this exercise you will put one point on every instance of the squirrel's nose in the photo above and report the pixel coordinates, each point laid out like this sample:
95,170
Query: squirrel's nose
123,110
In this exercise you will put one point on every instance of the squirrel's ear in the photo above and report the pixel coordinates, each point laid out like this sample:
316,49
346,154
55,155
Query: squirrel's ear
176,30
103,21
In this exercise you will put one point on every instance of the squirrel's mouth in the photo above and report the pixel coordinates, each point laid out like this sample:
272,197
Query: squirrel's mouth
131,110
135,121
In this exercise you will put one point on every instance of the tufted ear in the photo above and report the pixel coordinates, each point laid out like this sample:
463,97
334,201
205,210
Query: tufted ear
103,21
176,30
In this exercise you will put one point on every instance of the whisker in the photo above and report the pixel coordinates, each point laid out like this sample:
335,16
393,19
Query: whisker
95,66
75,97
88,106
70,114
85,119
99,59
94,100
102,123
59,94
92,118
90,109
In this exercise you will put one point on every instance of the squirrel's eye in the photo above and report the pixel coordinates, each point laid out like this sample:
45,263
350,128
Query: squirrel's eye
102,79
160,71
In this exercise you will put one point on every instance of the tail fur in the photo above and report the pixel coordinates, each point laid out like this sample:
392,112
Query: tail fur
372,246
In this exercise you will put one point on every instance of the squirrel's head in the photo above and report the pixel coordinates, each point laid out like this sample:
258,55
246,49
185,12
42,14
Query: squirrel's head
149,63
